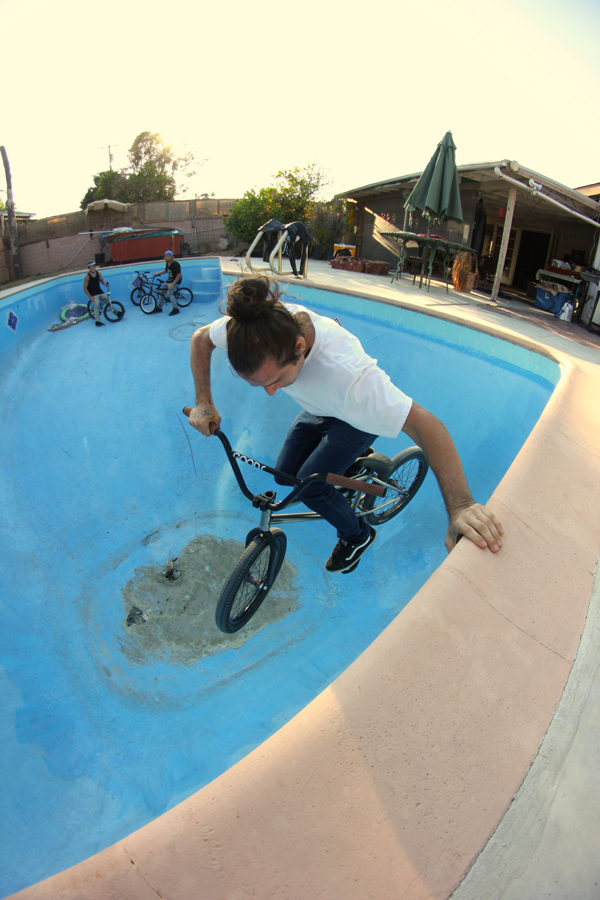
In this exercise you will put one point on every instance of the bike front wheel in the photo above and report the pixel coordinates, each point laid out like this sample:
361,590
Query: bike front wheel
148,304
184,297
402,485
114,311
136,296
249,583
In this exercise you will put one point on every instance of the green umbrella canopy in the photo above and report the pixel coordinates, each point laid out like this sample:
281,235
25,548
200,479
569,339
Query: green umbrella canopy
436,193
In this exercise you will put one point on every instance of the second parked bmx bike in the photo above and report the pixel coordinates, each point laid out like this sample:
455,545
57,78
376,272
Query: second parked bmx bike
378,489
149,302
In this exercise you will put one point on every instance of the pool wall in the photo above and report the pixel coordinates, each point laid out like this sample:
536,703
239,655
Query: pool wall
391,781
30,309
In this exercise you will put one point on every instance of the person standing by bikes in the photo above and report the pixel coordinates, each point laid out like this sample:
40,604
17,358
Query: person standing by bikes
173,270
91,286
348,401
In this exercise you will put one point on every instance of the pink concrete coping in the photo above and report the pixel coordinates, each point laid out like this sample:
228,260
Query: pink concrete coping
391,781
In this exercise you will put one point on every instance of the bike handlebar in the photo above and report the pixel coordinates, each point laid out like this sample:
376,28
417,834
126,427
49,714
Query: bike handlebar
330,478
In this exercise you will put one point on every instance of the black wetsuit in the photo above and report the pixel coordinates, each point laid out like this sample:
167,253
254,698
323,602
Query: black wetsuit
297,231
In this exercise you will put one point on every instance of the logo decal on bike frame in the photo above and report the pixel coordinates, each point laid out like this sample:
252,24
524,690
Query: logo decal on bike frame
247,459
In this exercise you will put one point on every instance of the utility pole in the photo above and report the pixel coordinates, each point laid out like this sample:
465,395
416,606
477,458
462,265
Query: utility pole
110,156
13,234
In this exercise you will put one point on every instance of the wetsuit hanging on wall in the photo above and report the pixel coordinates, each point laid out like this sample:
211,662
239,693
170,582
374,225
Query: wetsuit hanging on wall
479,229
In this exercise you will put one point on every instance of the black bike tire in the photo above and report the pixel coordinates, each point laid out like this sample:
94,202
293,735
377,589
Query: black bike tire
91,308
229,617
114,313
183,296
410,472
136,296
149,300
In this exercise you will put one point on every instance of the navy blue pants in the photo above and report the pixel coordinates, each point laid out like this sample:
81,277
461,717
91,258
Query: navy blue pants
324,444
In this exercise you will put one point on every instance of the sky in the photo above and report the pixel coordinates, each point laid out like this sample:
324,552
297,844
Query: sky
364,92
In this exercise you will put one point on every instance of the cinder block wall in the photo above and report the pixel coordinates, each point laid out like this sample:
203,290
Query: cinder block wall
66,243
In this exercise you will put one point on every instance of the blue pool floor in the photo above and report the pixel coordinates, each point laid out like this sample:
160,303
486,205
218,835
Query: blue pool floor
103,477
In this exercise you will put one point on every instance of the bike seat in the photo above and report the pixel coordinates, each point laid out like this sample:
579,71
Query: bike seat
378,463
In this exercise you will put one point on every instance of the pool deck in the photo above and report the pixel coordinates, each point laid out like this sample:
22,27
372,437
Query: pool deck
459,755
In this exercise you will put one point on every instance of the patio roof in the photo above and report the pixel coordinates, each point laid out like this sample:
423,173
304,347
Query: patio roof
492,187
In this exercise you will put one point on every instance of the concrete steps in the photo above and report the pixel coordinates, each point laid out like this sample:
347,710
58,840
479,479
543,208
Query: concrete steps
207,284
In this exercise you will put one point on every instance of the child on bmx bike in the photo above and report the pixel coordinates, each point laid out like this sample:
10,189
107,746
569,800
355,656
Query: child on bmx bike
348,400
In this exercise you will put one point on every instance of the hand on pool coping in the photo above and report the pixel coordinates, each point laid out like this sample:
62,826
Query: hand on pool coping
478,524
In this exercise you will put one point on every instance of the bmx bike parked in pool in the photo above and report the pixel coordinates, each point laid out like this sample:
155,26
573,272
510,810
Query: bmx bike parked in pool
378,489
112,309
149,302
142,285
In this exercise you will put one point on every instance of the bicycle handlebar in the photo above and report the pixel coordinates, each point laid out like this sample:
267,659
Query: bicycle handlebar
330,478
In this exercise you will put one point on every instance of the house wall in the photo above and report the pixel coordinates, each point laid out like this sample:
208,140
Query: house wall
382,213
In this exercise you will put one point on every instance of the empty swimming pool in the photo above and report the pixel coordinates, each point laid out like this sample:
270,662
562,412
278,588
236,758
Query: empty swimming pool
112,716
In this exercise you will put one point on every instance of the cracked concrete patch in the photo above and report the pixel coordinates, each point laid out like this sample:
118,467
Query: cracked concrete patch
174,621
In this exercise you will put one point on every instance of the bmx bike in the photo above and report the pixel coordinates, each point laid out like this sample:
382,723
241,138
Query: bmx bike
377,488
112,309
149,301
142,285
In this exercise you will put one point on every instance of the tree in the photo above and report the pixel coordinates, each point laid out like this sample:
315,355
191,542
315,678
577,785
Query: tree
290,199
13,234
108,184
151,174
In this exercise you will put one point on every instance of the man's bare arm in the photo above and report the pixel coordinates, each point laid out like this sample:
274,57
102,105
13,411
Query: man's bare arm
205,416
467,518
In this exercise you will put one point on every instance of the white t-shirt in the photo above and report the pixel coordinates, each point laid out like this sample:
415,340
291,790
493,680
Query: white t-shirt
339,379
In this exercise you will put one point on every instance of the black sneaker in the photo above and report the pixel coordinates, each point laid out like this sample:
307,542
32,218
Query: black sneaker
157,309
174,312
99,324
346,556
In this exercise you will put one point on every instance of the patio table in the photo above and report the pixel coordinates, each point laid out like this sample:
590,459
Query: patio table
428,247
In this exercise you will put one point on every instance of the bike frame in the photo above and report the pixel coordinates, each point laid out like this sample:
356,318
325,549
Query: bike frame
270,508
175,291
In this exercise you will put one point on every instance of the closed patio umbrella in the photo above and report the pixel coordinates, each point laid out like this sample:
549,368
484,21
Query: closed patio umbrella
436,193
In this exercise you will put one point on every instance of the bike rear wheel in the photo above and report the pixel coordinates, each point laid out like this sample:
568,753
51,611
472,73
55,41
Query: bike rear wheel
114,311
404,482
148,304
184,297
249,584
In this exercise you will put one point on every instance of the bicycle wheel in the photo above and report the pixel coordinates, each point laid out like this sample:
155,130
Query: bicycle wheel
184,297
148,304
404,482
136,296
114,311
247,586
91,308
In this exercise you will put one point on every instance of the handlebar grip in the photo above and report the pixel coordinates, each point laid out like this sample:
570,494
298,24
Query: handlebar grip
354,485
187,411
